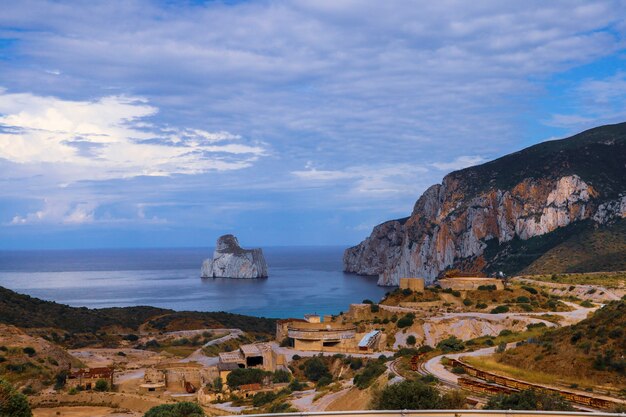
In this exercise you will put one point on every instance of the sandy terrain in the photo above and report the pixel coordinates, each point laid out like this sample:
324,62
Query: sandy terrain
97,357
84,412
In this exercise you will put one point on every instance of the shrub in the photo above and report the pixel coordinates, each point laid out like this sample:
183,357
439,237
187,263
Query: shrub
262,398
296,357
29,351
182,409
530,289
406,292
487,287
13,403
528,400
101,385
586,304
367,301
458,370
468,302
406,321
451,344
522,299
456,293
372,370
131,337
535,325
245,376
281,376
324,380
315,368
480,306
500,309
356,363
374,308
505,332
416,395
296,385
411,340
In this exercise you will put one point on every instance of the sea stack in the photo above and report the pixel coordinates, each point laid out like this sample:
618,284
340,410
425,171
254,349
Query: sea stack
231,261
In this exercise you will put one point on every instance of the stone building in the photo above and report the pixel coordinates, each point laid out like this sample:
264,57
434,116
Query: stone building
469,283
86,378
255,355
413,284
178,377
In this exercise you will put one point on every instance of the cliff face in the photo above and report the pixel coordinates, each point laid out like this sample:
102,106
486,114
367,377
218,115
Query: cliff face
231,261
521,196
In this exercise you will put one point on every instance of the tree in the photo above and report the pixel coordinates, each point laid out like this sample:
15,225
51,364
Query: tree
528,400
409,395
451,344
218,384
245,376
281,376
315,368
182,409
13,403
411,340
101,385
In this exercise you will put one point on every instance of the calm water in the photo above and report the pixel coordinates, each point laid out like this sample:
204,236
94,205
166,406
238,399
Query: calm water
302,280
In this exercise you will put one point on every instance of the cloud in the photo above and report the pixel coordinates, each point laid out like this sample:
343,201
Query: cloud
111,137
594,101
368,180
459,163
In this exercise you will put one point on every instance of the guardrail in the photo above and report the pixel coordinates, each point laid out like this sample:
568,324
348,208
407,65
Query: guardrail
440,413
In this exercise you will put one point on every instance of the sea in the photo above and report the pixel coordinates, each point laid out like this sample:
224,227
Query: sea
302,280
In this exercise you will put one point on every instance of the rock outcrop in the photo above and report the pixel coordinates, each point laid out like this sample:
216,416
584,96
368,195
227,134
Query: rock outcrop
469,219
231,261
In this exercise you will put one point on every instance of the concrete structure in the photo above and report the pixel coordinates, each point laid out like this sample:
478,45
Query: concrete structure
413,284
178,377
469,283
334,337
370,341
255,355
88,377
281,328
154,380
312,318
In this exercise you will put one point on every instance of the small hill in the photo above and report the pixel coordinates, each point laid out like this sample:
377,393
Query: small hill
31,361
591,351
594,248
33,315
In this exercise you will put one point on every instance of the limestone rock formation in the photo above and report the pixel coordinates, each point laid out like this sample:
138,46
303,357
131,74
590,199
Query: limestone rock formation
478,216
231,261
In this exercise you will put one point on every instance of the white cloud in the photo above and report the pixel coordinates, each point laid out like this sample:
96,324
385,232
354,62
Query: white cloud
111,137
370,180
460,162
59,211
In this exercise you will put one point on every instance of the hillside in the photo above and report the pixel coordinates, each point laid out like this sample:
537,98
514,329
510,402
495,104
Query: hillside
590,352
34,314
558,198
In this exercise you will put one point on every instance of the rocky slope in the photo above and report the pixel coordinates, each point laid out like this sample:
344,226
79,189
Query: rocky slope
231,261
477,217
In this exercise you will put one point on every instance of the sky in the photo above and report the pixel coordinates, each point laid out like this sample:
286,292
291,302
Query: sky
165,124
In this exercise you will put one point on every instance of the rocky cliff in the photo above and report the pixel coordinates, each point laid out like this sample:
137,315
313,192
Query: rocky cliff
231,261
504,212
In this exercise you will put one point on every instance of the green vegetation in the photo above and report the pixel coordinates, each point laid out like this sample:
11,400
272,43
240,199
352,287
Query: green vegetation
372,370
451,344
588,353
101,385
500,309
246,376
406,321
28,312
528,400
182,409
606,279
416,395
410,340
315,369
13,403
